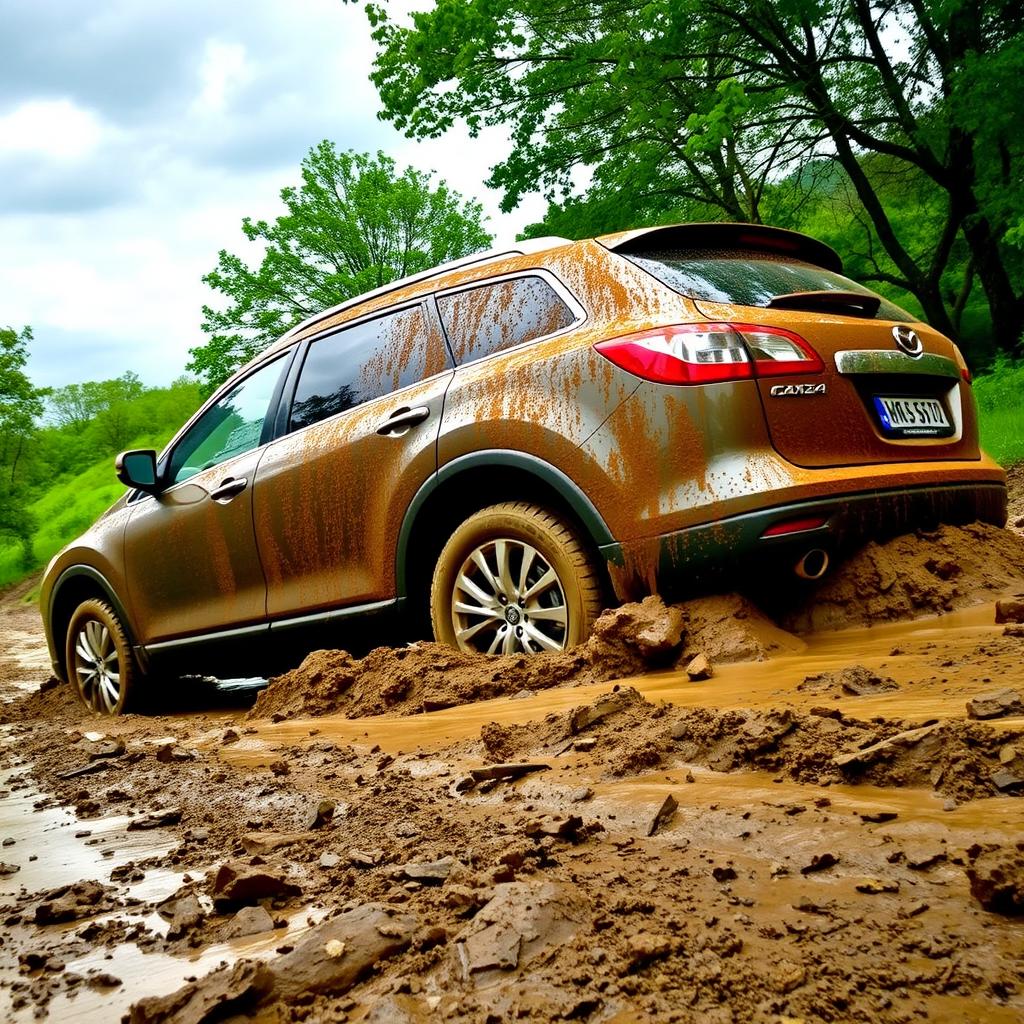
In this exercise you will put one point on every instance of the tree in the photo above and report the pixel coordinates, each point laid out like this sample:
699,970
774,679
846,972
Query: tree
713,102
21,404
354,224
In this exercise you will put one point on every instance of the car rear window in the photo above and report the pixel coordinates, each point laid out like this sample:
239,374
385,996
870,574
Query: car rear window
747,277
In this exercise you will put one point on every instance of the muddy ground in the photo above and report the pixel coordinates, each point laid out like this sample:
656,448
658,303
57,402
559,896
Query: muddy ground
827,827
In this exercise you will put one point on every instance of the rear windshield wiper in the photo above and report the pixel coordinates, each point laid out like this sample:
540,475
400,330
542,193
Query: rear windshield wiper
851,303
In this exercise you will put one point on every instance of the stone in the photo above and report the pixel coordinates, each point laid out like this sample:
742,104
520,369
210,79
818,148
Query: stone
878,817
168,753
996,705
157,819
236,883
365,858
103,748
321,814
555,827
248,921
434,872
262,843
333,956
1007,781
785,976
873,886
819,862
586,744
71,902
1010,609
909,738
1007,753
665,814
181,912
996,877
226,991
584,717
699,668
644,948
464,784
329,860
506,772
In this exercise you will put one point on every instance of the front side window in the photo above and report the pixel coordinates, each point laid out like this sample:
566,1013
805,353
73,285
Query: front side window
366,361
497,316
231,426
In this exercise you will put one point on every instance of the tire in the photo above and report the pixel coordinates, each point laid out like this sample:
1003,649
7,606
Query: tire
551,605
99,659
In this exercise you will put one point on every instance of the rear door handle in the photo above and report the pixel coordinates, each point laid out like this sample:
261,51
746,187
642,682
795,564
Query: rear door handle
402,419
229,488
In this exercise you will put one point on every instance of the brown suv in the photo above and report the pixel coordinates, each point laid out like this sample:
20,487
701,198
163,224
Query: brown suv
517,438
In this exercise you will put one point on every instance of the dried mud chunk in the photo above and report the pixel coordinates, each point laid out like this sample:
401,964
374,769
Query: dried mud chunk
335,955
996,876
856,681
72,902
236,883
433,872
699,669
248,921
996,705
223,993
883,748
730,628
1010,609
182,912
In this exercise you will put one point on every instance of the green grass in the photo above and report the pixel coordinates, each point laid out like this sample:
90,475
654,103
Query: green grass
1000,394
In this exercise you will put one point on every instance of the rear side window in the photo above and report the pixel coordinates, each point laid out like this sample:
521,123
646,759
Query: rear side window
748,277
500,315
365,361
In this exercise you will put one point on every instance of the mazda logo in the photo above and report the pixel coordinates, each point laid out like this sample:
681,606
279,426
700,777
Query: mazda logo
908,340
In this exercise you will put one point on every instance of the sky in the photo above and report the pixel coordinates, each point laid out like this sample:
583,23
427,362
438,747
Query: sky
136,134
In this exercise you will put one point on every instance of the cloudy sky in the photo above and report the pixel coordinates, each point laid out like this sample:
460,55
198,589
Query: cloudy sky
136,134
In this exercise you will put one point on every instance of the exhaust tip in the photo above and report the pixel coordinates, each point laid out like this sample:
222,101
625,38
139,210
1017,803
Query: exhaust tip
813,565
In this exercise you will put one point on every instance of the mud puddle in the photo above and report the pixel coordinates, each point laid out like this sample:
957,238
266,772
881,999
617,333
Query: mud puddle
912,653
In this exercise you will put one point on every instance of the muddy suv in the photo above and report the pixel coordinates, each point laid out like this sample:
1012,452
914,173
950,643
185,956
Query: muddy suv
511,441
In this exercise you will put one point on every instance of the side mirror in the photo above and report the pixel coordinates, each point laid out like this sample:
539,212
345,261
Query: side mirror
138,469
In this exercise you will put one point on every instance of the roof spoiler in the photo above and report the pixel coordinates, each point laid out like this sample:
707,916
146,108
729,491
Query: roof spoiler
725,236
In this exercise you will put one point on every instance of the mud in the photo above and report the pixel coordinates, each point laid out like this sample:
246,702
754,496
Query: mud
817,832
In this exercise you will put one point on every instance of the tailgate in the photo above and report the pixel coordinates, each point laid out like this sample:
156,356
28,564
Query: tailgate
878,403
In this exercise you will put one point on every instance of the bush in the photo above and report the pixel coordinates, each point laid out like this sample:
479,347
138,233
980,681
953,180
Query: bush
1000,394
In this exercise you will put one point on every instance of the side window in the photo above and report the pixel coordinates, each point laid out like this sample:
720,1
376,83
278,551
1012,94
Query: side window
231,426
366,361
494,317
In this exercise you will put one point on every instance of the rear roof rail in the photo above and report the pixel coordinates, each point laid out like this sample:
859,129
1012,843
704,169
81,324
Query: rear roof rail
724,235
524,248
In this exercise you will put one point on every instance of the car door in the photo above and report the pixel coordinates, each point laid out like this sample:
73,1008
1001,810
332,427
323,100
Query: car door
190,552
331,494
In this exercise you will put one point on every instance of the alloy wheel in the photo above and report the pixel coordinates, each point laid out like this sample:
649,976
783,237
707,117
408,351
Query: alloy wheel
507,599
97,667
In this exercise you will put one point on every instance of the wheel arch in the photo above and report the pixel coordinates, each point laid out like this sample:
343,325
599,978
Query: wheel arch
472,482
76,584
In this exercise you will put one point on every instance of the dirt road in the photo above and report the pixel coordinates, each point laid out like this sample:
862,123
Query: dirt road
817,832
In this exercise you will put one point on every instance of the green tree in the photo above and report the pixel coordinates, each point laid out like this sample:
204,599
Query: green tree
353,224
21,404
713,102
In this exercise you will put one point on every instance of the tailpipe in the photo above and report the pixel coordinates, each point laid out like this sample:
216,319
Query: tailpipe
812,565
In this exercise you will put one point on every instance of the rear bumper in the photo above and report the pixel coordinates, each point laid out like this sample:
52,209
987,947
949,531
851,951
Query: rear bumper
674,563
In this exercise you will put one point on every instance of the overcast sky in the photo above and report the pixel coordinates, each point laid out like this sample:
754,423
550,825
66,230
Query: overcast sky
136,134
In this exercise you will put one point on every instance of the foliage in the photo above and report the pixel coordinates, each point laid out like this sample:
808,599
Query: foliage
1000,394
354,224
709,104
20,405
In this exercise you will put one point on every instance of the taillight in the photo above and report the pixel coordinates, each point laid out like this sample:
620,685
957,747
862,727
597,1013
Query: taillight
711,353
965,371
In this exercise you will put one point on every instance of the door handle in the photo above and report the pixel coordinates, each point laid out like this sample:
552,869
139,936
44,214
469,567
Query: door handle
402,419
229,488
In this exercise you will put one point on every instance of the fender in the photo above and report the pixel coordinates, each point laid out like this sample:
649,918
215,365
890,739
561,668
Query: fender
74,572
567,489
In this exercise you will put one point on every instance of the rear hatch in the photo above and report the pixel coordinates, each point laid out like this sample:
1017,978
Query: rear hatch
890,390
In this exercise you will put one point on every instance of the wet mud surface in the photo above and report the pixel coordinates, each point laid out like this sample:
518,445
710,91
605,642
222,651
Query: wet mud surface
815,826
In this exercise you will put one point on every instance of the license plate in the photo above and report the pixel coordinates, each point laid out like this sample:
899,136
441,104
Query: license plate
912,417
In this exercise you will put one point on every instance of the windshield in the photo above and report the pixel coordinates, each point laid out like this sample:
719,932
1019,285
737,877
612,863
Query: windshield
748,278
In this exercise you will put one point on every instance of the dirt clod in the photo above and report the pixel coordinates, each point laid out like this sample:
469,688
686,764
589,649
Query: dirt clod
996,876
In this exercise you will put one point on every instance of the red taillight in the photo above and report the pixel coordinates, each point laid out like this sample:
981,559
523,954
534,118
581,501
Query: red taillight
795,526
711,353
965,372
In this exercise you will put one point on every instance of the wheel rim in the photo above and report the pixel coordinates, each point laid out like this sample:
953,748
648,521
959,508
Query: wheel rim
507,599
97,666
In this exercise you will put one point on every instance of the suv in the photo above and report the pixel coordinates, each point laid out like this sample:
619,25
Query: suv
513,440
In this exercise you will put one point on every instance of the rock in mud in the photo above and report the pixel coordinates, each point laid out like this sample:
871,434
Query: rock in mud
72,902
855,681
996,705
1010,609
665,814
584,717
996,876
433,872
182,912
506,772
730,628
248,921
224,993
236,883
157,819
819,862
699,669
335,955
635,636
168,753
520,922
321,814
103,748
883,748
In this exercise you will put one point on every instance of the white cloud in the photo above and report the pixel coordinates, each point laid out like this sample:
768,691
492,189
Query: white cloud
223,70
50,128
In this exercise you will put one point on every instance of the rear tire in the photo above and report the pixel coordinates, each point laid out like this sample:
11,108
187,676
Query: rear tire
99,658
514,579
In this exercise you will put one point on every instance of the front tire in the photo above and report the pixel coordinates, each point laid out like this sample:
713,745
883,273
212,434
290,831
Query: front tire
514,579
99,659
